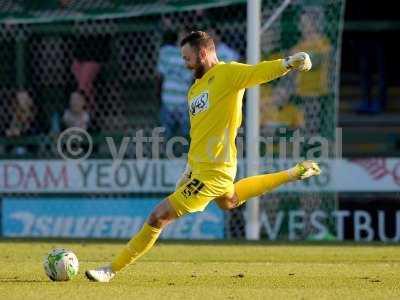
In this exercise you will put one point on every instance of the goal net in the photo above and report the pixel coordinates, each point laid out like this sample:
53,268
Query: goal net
105,60
298,117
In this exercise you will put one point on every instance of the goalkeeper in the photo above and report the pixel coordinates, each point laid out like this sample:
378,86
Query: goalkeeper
215,108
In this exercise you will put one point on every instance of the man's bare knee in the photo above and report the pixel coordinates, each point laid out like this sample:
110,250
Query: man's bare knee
162,215
227,203
158,220
224,206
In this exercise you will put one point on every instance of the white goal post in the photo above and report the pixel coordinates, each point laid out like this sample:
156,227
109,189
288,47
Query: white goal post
252,117
254,31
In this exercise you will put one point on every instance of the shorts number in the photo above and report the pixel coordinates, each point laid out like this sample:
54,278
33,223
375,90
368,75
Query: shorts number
192,188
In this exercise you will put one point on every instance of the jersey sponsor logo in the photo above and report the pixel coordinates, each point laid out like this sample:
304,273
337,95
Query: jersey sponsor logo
199,104
192,188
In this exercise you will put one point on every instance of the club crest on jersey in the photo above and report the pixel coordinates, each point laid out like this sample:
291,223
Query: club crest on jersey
199,104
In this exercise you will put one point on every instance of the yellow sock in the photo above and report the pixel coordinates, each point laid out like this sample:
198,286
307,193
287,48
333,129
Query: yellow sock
142,242
250,187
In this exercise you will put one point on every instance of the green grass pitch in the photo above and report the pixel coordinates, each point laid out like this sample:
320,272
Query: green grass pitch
214,270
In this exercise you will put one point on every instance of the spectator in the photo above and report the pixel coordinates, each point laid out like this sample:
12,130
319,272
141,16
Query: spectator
76,115
23,119
90,53
175,81
316,82
224,52
23,122
313,87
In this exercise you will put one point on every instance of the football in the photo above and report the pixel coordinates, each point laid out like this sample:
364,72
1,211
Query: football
61,265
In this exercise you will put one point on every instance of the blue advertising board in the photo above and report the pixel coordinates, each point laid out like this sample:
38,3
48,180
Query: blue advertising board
100,218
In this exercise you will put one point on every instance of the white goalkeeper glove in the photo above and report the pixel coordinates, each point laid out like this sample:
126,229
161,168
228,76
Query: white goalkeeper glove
300,61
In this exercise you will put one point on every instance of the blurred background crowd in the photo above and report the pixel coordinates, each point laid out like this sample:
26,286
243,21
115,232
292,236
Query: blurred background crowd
109,77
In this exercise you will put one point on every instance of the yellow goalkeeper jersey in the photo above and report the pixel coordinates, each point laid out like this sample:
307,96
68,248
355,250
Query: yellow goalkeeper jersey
215,109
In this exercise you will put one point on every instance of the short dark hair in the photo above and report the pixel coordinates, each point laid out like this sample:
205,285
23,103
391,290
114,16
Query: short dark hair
199,40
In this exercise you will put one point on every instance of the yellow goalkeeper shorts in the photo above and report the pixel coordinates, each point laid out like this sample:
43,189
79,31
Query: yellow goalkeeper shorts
196,189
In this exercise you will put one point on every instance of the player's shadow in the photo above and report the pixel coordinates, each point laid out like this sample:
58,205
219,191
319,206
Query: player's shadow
20,280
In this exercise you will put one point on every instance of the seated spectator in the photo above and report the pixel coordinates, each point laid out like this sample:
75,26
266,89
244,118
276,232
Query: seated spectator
23,122
23,119
76,115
